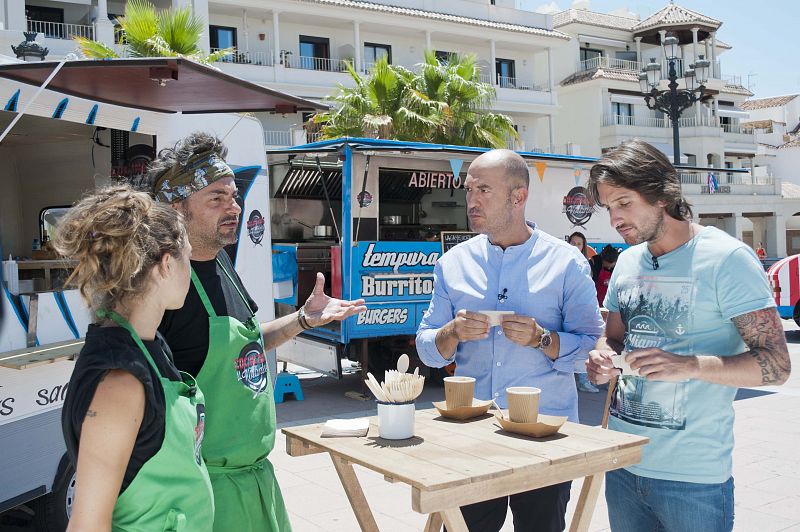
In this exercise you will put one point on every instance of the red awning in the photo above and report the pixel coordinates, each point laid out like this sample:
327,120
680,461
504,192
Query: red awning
168,85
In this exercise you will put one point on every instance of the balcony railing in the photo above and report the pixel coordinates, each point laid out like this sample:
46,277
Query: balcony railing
737,128
278,138
700,177
313,137
316,63
640,121
247,58
701,121
59,30
505,82
610,63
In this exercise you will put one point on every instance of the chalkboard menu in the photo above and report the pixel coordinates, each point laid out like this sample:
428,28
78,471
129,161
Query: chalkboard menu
453,238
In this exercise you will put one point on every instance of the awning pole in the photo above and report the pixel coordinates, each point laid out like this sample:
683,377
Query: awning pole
36,95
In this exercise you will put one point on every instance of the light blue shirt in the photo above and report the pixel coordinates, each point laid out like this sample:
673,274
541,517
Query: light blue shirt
686,307
544,278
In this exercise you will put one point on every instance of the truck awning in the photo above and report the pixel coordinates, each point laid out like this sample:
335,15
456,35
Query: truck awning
165,84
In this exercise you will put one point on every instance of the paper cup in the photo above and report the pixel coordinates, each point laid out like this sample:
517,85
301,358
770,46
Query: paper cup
395,421
523,403
458,391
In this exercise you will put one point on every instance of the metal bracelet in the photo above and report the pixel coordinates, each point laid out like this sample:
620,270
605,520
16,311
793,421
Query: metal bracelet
301,319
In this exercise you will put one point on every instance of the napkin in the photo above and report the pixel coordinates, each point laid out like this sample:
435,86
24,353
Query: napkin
345,427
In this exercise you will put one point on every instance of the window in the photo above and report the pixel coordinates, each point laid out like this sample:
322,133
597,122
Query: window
47,20
590,53
443,56
623,113
626,55
504,69
373,52
222,37
314,53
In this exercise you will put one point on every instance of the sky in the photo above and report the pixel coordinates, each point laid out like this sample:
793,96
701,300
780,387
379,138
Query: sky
764,35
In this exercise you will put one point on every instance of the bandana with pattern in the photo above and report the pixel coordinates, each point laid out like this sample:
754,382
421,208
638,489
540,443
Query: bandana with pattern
181,181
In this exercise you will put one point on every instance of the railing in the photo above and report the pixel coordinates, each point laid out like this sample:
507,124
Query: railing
278,138
247,58
313,137
485,78
317,63
59,30
505,82
610,63
735,80
701,121
700,177
640,121
737,128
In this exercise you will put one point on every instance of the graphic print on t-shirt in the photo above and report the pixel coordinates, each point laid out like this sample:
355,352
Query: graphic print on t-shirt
656,313
251,367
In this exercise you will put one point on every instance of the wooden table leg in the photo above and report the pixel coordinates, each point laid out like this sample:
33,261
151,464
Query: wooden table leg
355,494
586,503
434,523
454,520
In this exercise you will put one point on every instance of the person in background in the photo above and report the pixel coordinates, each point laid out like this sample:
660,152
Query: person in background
761,253
578,240
691,311
512,265
216,335
133,424
602,267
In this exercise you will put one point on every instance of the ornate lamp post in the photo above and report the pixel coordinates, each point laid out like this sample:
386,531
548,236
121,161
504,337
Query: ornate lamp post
29,49
672,101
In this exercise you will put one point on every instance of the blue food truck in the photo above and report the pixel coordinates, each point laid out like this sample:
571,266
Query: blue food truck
374,216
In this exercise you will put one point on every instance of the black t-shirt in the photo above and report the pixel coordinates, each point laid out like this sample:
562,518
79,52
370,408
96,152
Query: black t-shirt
109,348
186,329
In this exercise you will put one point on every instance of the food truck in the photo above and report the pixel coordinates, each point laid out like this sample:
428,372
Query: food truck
68,127
375,215
784,280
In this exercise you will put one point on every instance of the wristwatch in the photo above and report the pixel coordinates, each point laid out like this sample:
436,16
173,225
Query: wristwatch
544,339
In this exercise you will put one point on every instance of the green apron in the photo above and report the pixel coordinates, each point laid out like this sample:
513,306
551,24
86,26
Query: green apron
240,431
172,490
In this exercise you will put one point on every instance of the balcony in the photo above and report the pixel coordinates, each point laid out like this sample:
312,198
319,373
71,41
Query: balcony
290,137
239,57
737,183
59,30
637,121
609,63
322,64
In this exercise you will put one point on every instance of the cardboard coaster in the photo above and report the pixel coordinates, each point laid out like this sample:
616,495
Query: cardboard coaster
620,362
478,408
545,426
496,316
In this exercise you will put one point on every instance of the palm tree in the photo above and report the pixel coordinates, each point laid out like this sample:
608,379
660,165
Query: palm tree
152,33
444,103
464,102
378,106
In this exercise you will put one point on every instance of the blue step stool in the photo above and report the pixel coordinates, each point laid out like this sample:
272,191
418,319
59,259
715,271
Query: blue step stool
287,383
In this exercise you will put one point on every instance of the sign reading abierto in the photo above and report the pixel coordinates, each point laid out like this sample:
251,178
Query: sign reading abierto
453,238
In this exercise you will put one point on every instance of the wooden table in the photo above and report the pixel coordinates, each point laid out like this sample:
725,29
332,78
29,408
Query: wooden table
449,463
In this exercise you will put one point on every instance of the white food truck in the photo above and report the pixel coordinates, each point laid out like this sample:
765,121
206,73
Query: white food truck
77,125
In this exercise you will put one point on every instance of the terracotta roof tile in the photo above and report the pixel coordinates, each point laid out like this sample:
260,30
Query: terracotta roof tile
764,103
675,15
583,16
600,73
736,89
760,124
446,17
794,143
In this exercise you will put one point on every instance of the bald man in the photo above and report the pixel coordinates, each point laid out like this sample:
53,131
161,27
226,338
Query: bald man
512,265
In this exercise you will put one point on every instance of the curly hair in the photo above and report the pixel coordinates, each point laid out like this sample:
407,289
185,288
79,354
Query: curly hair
637,165
181,152
117,235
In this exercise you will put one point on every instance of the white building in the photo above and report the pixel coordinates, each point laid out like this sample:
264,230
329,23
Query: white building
299,46
569,81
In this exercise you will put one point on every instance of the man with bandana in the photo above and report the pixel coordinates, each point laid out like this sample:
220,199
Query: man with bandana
216,337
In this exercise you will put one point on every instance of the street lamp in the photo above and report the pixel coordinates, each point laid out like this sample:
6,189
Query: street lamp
29,49
672,101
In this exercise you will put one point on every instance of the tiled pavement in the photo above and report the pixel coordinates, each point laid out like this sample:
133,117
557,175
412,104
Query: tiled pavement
766,460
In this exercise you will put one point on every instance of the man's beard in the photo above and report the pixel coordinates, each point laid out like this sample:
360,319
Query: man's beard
214,240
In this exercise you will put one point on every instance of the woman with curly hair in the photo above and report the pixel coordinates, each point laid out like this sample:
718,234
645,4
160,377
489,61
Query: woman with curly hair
132,422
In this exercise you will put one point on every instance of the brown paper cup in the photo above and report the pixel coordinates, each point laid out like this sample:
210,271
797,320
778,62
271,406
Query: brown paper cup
458,391
523,403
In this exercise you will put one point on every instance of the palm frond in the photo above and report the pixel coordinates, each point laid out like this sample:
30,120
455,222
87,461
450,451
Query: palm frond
94,49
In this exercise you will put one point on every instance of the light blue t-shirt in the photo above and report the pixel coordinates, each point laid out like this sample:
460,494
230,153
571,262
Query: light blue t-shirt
686,307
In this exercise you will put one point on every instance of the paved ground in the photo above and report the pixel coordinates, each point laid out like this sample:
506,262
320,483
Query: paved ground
766,459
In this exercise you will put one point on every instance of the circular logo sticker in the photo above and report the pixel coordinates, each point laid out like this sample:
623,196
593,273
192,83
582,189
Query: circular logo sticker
251,367
364,199
577,207
255,227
